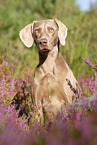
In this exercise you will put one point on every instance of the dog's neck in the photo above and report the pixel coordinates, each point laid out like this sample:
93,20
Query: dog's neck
47,59
42,57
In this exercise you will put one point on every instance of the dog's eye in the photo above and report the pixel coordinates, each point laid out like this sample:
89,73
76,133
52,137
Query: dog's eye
51,30
37,30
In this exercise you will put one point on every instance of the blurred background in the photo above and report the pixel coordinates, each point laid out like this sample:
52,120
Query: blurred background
80,17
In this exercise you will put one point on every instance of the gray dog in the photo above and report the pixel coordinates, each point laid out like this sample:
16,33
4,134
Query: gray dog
54,83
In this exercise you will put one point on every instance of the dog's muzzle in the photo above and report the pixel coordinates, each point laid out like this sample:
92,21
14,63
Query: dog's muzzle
43,45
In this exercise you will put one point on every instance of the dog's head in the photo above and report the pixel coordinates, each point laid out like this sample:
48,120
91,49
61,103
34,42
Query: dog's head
45,33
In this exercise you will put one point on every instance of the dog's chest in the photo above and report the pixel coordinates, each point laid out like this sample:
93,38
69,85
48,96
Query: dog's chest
55,68
42,71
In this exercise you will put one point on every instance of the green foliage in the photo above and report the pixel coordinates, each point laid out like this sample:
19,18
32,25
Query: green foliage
82,33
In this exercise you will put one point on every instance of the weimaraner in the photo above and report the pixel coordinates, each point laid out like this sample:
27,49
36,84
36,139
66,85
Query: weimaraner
54,83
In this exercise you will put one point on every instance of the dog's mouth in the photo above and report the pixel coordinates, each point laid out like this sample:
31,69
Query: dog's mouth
44,50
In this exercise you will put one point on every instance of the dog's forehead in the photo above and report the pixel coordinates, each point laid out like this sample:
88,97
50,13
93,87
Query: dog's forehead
48,22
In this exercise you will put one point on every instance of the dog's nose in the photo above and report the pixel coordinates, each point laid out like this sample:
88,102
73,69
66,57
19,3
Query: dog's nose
43,42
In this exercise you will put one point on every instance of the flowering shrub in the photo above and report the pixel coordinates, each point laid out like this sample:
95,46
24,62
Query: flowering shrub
76,125
89,84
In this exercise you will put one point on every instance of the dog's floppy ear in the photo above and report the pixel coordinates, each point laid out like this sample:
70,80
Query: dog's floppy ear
62,33
26,35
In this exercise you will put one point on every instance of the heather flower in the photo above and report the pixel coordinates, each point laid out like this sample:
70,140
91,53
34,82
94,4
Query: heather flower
87,61
96,61
96,77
